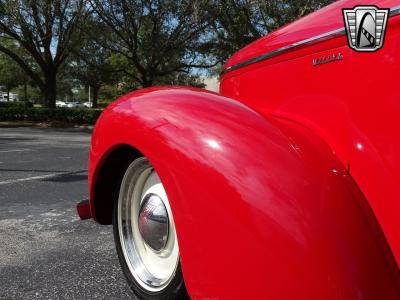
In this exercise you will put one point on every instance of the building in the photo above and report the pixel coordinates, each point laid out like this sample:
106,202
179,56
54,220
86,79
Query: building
3,97
212,84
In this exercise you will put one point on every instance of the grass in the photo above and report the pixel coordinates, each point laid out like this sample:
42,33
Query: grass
10,124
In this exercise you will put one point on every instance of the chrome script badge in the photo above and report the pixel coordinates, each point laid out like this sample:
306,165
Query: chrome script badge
365,27
327,59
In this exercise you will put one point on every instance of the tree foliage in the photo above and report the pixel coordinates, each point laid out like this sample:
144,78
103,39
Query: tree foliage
236,23
92,64
11,75
156,38
47,30
128,44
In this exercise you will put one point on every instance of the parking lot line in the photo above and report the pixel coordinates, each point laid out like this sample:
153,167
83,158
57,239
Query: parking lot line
40,177
15,150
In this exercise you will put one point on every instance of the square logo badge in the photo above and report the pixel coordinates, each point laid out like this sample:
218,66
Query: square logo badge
365,27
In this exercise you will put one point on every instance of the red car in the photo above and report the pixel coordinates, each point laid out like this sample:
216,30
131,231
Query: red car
286,185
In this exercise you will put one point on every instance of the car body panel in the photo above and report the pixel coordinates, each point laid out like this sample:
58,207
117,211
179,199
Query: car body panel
327,19
286,185
353,104
263,209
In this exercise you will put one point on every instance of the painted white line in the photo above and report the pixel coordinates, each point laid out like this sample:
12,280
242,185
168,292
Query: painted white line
15,150
40,177
28,178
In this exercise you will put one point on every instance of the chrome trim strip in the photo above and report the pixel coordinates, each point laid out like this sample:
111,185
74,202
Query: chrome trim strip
307,42
394,11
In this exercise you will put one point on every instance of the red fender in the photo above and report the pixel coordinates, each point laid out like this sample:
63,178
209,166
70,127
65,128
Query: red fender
263,208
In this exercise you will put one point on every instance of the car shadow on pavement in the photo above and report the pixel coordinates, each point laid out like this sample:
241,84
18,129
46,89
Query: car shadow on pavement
67,178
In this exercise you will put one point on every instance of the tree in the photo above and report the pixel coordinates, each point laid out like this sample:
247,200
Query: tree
91,64
92,74
11,75
156,38
48,31
236,23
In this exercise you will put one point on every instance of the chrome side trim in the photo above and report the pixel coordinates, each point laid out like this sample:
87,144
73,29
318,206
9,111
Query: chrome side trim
394,11
279,51
307,42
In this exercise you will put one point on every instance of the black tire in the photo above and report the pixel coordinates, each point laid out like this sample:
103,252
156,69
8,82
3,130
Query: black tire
174,290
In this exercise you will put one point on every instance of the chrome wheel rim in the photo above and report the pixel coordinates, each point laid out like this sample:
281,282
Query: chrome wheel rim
146,228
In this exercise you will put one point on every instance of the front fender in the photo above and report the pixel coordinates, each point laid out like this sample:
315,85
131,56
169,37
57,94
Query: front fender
263,208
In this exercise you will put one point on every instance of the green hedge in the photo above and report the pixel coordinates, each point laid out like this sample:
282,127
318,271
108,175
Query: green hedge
61,115
16,104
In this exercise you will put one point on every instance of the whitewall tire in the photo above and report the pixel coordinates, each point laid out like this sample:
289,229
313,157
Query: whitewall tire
145,235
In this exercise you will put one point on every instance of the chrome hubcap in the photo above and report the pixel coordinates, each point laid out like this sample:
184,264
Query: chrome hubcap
146,227
153,222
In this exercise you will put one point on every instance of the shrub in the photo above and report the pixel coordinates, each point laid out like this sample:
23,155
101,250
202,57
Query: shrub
16,104
60,115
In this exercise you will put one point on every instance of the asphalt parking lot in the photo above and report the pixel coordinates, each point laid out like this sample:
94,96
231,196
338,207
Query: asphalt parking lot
46,252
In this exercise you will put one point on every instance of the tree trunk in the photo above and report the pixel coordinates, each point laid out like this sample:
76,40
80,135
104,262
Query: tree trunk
95,96
147,84
50,89
25,92
147,80
50,96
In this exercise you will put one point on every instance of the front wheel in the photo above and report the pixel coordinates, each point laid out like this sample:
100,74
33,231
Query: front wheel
145,236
